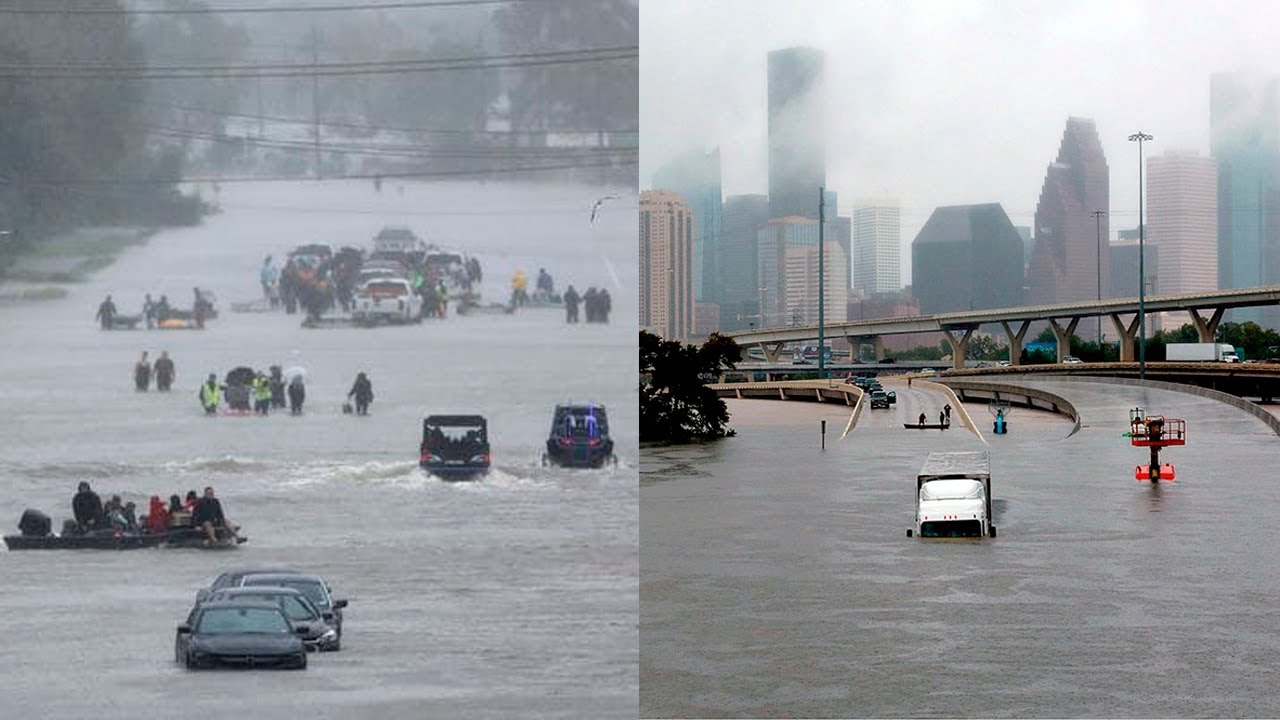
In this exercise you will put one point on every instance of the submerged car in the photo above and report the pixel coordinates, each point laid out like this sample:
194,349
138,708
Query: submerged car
580,437
317,591
231,578
879,399
455,447
305,617
239,634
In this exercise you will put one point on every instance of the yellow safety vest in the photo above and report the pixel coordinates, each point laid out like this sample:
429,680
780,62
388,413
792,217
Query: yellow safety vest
210,395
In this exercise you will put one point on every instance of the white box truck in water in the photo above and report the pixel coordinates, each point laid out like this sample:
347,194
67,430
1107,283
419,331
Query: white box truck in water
1200,352
953,496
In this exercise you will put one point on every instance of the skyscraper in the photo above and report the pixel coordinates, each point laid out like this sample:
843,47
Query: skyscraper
967,257
1065,262
773,239
801,291
1245,141
695,176
877,247
1182,221
797,143
667,305
740,305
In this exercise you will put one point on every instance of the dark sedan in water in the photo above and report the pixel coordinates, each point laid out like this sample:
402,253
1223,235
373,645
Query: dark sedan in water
316,590
239,634
306,618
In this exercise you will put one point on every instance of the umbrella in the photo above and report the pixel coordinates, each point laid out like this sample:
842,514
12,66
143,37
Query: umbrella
241,376
295,371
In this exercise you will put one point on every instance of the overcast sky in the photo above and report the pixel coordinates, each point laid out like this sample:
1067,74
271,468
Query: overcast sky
945,102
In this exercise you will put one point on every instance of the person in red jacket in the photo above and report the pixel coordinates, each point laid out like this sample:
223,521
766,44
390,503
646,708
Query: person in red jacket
157,516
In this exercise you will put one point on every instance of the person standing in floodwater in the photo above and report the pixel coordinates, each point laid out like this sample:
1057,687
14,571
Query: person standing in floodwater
142,373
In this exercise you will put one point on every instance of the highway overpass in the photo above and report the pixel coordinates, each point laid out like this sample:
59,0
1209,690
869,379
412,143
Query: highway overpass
1204,309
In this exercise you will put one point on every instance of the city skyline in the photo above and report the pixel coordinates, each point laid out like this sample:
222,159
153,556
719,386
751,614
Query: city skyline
918,110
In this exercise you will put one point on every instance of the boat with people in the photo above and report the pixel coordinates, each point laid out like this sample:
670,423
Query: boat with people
579,437
37,534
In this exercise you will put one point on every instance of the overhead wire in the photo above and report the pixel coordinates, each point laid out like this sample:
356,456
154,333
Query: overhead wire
259,9
328,69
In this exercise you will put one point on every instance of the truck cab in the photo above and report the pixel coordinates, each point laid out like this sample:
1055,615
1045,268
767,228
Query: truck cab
953,496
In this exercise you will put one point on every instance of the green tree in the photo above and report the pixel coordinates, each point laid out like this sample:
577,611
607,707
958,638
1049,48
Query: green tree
675,403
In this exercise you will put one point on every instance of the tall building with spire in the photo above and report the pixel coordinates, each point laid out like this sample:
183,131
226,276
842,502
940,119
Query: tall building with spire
797,144
1244,126
1066,261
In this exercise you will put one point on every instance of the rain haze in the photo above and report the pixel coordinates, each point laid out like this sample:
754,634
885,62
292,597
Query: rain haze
943,103
369,276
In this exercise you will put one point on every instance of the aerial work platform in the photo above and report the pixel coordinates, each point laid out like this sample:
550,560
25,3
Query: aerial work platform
1155,432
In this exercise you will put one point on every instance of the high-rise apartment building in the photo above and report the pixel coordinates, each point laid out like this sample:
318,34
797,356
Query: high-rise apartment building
877,247
967,257
773,239
739,265
1245,141
801,287
1182,221
1067,260
797,144
695,176
667,305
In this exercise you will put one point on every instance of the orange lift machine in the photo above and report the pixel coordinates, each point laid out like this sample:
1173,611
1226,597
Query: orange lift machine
1155,432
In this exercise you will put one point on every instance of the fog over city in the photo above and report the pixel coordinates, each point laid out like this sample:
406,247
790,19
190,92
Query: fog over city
942,103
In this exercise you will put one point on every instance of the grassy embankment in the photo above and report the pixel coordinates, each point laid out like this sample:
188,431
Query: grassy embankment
38,272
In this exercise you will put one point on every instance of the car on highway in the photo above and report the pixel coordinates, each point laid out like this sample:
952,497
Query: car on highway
879,399
1072,360
927,372
1004,363
305,617
317,591
239,634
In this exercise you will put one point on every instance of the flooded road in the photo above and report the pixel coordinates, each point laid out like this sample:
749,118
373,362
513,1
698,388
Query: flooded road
778,579
512,595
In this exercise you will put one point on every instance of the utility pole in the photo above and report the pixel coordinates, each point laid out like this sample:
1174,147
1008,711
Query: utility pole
1140,137
1097,216
315,94
822,250
260,118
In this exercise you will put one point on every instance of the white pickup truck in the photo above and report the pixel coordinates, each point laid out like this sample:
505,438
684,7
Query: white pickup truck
387,300
954,496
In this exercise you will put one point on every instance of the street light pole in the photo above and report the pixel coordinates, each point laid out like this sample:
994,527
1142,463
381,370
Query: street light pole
1097,217
822,350
1140,137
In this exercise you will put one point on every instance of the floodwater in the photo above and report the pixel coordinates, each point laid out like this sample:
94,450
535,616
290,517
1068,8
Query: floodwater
514,595
779,581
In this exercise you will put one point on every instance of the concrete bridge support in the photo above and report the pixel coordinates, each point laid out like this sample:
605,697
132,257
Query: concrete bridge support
857,341
1015,341
1208,329
1063,336
772,351
1127,332
958,347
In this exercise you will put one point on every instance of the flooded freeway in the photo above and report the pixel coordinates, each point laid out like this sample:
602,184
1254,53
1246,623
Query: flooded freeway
779,581
514,595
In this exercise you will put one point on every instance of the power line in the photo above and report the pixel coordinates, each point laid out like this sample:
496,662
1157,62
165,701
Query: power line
382,67
347,124
36,182
257,9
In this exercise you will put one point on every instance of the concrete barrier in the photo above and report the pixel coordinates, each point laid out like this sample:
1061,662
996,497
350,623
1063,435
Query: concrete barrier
1017,395
1252,408
956,406
802,390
